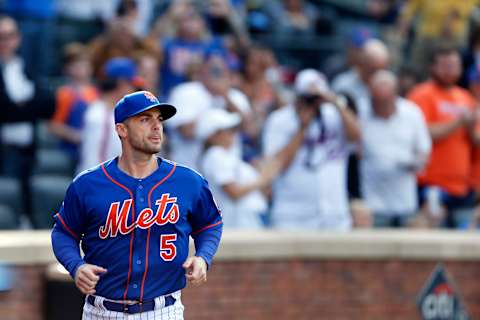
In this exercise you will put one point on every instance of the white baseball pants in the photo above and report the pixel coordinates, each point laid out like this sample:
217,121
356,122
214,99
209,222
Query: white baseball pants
99,312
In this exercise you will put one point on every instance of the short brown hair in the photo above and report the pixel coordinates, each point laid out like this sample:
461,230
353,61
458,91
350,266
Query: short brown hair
74,51
443,49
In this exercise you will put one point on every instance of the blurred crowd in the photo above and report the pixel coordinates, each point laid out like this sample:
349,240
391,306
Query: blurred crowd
323,115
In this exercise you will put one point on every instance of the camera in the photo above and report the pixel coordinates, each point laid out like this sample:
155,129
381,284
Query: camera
311,99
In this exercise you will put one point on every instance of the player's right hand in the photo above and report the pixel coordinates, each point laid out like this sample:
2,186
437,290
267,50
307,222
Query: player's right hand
196,270
87,276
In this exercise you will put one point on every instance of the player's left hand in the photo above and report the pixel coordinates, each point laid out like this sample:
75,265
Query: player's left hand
196,270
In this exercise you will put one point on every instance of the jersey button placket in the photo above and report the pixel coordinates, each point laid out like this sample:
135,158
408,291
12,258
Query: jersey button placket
140,196
140,200
139,239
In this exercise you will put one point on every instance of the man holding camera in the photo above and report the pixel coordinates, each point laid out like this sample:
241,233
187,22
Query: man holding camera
312,138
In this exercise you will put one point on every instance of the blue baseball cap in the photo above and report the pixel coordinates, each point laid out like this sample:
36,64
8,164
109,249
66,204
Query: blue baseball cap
120,68
359,36
138,102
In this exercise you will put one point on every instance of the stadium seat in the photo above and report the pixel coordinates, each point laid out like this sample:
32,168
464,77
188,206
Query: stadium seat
48,192
8,218
51,161
10,194
45,139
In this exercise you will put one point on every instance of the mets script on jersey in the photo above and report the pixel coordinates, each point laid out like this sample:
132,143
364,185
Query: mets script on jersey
117,221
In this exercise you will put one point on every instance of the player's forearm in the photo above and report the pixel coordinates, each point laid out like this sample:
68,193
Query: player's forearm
66,249
207,242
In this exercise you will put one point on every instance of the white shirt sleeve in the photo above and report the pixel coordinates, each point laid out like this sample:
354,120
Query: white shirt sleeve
240,100
218,166
276,134
423,140
91,139
340,82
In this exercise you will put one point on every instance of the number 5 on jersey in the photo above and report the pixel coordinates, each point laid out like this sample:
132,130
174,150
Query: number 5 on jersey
168,251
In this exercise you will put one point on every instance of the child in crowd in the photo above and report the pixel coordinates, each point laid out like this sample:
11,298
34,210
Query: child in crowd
72,99
236,184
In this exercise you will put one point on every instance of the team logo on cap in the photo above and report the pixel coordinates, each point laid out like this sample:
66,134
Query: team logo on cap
150,96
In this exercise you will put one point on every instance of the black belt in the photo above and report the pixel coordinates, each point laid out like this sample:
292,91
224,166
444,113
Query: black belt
132,308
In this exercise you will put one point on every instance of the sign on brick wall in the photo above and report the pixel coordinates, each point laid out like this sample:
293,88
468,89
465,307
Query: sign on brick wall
6,278
439,299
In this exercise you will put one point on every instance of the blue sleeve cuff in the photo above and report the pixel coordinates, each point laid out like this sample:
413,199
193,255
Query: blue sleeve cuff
73,272
207,242
66,249
209,262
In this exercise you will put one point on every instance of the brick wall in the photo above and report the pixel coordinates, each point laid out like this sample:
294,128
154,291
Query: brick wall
297,289
26,300
323,290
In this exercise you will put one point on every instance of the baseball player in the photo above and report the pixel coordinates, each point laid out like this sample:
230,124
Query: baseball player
134,215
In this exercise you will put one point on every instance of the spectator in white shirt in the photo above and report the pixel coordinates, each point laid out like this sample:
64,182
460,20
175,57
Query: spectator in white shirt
100,141
194,98
23,102
236,185
396,144
354,82
312,138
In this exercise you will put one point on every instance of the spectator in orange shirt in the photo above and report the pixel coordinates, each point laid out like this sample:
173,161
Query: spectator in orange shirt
473,78
448,110
72,100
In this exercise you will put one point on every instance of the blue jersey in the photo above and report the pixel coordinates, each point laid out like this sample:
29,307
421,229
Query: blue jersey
74,120
138,229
